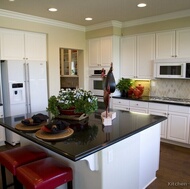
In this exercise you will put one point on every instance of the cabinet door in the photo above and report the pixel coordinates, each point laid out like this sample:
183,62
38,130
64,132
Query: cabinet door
165,45
94,52
106,51
178,127
121,104
35,46
163,124
182,43
145,55
128,57
12,45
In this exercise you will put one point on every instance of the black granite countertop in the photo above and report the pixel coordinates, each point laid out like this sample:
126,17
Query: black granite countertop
90,135
154,99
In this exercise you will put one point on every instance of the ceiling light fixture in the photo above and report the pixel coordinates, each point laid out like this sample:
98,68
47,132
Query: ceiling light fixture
88,18
11,0
141,5
52,9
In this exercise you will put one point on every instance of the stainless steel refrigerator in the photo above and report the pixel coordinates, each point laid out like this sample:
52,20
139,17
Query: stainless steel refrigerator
24,87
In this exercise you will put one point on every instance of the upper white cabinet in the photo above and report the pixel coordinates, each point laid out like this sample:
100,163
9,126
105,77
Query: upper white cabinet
137,55
128,57
35,46
173,44
12,44
19,45
100,51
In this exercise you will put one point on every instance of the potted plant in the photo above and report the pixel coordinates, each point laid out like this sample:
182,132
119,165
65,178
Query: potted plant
77,101
124,85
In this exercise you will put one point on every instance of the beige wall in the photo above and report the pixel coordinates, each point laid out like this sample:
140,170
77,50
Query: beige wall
56,37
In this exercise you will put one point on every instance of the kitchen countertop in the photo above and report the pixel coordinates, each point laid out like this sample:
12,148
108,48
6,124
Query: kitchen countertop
156,99
90,135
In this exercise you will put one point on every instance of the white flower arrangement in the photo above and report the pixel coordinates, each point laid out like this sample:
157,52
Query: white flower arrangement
83,101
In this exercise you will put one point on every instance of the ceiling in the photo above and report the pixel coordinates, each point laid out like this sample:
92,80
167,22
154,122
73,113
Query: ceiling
74,11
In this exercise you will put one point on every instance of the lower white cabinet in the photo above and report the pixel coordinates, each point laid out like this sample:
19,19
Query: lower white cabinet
160,110
138,106
178,123
120,104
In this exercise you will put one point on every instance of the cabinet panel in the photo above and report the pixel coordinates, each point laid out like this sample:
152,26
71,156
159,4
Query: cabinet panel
182,43
94,52
106,51
35,46
145,55
178,127
100,51
128,57
173,44
138,104
18,45
137,55
165,44
12,45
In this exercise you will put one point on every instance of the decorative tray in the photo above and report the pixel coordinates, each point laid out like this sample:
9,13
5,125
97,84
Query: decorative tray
54,136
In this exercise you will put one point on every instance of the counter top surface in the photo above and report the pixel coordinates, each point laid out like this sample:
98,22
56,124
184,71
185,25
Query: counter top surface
169,101
90,135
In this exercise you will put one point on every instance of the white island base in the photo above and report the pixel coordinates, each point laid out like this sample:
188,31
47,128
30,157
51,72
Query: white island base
129,164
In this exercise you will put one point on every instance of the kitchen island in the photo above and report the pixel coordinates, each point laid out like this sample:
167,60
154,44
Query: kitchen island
122,155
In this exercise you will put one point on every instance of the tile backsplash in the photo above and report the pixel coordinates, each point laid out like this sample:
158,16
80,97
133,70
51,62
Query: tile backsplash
176,88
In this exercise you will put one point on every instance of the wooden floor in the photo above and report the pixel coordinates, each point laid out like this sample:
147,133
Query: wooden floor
174,171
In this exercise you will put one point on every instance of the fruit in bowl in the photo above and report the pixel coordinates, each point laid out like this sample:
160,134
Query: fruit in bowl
138,91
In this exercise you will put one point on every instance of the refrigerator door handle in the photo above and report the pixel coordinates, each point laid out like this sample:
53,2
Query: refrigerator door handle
28,98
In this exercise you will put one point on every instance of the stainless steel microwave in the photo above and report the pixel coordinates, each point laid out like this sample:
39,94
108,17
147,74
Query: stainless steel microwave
172,70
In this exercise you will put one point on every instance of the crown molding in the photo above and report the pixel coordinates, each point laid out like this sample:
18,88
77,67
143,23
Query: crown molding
112,23
163,17
30,18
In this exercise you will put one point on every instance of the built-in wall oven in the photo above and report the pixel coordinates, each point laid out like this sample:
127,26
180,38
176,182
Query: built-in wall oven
96,82
96,86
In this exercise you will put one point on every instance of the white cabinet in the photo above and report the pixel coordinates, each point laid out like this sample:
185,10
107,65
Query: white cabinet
12,44
178,123
138,106
2,129
173,44
35,46
137,55
128,57
19,45
130,105
100,51
120,104
160,110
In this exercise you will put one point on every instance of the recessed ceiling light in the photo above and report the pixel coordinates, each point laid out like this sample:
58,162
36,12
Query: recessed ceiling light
11,0
141,5
52,9
88,18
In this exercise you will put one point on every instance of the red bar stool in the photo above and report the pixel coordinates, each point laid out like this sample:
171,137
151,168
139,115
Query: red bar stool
11,159
44,173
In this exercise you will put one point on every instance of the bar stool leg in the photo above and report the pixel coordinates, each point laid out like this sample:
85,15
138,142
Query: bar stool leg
3,176
70,185
18,185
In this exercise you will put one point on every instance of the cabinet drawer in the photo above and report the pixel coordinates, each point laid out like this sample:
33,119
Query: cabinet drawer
139,104
121,102
180,109
158,106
